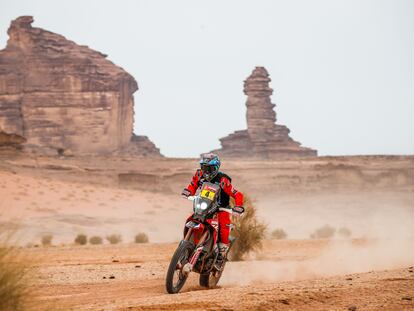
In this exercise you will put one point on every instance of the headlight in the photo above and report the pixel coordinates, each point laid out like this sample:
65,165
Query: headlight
203,205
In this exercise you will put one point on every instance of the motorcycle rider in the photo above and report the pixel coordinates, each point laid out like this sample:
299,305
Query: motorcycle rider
209,171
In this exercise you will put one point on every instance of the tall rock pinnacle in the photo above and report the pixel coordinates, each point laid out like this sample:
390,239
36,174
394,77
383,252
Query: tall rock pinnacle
263,137
260,114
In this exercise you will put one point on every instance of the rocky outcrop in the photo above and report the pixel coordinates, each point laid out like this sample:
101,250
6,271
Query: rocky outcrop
263,137
57,95
139,144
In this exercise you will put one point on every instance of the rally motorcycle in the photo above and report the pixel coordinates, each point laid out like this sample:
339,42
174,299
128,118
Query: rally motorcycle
198,251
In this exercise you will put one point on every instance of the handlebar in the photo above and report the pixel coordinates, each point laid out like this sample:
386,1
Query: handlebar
238,211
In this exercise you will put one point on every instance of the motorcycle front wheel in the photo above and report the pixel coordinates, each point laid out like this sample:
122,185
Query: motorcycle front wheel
176,278
211,279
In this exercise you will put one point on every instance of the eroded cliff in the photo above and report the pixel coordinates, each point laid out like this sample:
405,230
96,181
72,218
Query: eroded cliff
56,95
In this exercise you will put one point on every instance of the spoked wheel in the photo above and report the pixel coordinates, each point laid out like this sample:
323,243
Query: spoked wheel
211,279
175,276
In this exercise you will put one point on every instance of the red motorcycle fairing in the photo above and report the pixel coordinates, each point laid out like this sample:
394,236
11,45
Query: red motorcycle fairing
215,224
200,228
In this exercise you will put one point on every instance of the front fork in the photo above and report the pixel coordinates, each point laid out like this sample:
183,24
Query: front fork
188,267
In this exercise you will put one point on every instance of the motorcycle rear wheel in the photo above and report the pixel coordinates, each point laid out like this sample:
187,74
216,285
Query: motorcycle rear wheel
179,259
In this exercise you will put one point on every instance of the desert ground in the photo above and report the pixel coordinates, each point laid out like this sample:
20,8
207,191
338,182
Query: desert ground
290,275
372,197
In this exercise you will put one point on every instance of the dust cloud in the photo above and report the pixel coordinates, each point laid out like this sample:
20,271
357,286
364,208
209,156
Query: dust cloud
386,243
338,258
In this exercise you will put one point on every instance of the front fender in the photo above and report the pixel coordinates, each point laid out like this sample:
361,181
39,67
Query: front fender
189,243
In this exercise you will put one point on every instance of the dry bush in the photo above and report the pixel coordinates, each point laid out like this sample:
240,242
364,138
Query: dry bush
141,237
81,239
249,232
344,232
114,238
325,232
47,240
278,234
14,293
13,285
95,240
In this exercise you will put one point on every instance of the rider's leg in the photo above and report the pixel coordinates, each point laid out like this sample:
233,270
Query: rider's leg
224,225
224,232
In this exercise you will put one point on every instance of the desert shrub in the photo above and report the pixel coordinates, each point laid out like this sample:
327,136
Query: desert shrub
81,239
344,232
14,293
47,240
114,238
13,285
249,232
325,232
278,234
95,240
141,237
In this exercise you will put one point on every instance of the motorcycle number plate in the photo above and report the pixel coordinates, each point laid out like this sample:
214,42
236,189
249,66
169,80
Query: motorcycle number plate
208,194
192,224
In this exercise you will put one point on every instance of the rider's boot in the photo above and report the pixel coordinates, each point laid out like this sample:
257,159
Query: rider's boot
222,248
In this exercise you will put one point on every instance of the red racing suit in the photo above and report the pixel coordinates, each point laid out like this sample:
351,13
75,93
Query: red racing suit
227,191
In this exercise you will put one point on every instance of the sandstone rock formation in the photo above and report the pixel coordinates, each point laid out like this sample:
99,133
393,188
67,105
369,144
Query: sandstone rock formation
263,137
56,95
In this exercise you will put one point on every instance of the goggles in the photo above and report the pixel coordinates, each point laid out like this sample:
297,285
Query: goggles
207,169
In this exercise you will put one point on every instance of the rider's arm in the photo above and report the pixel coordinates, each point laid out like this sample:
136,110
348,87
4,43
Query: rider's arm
193,185
231,191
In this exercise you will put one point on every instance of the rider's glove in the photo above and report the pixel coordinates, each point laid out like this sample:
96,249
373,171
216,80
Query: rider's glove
238,210
186,193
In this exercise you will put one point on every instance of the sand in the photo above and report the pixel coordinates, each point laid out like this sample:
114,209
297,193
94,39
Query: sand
372,197
291,277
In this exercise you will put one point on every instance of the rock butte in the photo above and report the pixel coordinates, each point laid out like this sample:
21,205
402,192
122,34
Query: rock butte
263,138
60,97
